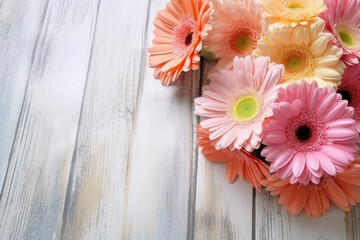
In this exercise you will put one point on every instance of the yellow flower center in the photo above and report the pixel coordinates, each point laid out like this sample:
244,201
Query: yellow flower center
298,62
346,38
246,108
295,6
242,42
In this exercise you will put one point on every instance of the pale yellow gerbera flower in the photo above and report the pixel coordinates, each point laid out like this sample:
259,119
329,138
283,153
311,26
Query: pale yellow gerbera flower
293,12
305,53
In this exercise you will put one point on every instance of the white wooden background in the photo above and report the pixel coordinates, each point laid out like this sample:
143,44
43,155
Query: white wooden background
92,147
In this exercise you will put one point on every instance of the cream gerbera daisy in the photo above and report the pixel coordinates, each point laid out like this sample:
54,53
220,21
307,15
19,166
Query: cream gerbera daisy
237,26
293,12
305,53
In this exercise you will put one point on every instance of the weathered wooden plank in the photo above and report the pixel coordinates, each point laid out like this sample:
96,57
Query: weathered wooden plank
99,182
273,222
223,210
20,23
353,223
161,183
163,163
36,181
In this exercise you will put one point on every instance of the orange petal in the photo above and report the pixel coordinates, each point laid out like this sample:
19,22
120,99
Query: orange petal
231,171
336,195
314,203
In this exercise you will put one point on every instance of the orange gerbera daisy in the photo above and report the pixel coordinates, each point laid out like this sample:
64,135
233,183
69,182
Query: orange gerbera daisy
178,34
239,162
315,199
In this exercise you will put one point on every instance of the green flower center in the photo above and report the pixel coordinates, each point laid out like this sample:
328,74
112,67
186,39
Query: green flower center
242,42
298,61
346,38
246,107
294,63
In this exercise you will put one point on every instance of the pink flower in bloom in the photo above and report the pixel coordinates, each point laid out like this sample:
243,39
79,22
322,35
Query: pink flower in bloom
311,134
350,90
237,101
237,26
343,21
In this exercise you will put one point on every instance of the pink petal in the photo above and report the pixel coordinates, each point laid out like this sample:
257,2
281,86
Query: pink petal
341,134
276,137
325,163
336,155
323,106
275,126
341,123
296,107
305,177
298,164
221,131
227,138
335,112
282,159
212,122
312,162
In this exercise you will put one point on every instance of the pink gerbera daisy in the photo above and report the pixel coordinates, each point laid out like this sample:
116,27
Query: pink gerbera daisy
350,90
311,134
237,101
237,26
343,21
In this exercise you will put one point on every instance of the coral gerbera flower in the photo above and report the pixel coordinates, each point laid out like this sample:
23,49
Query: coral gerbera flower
315,199
312,133
179,30
239,162
342,20
305,53
293,12
350,90
237,101
237,26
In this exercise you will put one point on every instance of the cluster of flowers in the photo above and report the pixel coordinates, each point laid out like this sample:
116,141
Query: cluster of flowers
282,109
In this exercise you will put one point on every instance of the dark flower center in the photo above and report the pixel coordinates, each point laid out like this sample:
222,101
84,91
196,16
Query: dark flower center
188,39
346,95
303,133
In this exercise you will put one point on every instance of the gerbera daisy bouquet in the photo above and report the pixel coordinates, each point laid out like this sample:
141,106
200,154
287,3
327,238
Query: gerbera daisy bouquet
282,108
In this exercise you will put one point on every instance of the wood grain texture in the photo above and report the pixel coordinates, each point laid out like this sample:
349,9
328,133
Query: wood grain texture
223,210
99,183
273,222
163,167
20,22
34,192
353,223
163,163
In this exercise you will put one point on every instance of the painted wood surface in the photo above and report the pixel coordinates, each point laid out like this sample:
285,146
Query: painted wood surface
99,183
35,186
93,147
20,26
